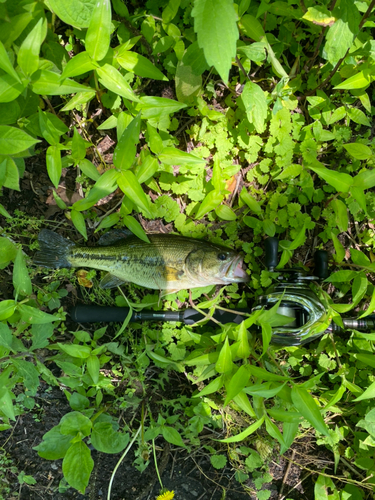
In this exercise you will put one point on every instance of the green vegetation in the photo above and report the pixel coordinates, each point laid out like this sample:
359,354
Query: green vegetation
266,131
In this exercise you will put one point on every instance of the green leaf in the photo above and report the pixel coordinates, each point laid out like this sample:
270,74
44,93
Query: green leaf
365,179
263,374
79,222
99,31
135,227
256,107
78,65
237,382
321,489
370,307
224,363
214,386
93,367
7,308
140,65
21,278
89,169
211,201
358,81
6,337
29,373
105,185
6,64
51,127
341,212
252,27
341,276
46,82
77,466
319,15
78,147
14,140
242,435
358,116
255,51
156,107
28,54
130,186
6,405
338,40
274,432
172,436
73,12
147,169
54,165
340,181
188,84
35,316
76,351
358,150
218,461
105,439
154,141
173,156
339,249
215,22
54,444
10,88
170,11
306,405
125,151
243,347
114,81
8,252
225,213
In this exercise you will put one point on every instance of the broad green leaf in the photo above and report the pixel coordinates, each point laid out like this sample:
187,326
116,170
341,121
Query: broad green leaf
359,288
211,201
99,31
339,180
170,11
78,147
51,127
3,212
251,26
21,278
284,416
14,140
338,40
106,440
319,15
364,180
243,402
250,201
255,51
368,359
358,81
156,107
89,169
93,367
78,65
77,466
78,100
225,213
214,386
341,276
256,107
140,65
237,382
263,374
29,373
215,22
6,65
321,489
46,82
224,363
242,435
130,186
6,405
306,405
35,316
28,54
79,222
358,150
274,432
10,88
173,156
7,308
75,350
114,81
12,174
147,169
108,221
135,227
54,444
54,165
341,212
155,142
188,84
203,360
125,151
8,251
339,249
105,185
73,12
358,116
172,436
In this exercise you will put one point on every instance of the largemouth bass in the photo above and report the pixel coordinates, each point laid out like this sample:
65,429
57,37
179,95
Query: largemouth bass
169,262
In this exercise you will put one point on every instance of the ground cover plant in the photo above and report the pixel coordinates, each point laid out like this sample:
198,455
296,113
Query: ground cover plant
220,120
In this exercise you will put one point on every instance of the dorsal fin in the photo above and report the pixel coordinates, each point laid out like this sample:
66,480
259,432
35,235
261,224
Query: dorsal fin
114,236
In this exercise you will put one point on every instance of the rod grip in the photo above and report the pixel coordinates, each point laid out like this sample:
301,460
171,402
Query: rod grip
321,264
97,314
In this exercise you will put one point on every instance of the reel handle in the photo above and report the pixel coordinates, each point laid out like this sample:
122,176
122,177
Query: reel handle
271,247
321,264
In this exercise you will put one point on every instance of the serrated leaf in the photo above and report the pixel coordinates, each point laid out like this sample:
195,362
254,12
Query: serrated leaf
140,65
215,22
73,12
338,40
306,405
218,461
99,31
255,103
114,81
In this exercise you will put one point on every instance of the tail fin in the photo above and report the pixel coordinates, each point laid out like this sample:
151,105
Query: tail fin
54,250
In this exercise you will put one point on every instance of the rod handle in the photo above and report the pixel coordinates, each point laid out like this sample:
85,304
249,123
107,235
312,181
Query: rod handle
321,264
271,248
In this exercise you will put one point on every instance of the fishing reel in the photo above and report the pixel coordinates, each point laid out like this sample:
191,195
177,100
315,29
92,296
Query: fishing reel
299,297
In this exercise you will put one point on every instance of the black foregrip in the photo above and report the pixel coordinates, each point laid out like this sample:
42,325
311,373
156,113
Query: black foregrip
321,264
271,247
98,314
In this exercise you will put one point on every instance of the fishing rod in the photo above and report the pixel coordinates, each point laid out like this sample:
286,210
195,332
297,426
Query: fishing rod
299,296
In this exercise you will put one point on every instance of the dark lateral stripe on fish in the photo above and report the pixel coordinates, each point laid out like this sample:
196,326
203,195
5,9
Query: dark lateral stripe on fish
145,261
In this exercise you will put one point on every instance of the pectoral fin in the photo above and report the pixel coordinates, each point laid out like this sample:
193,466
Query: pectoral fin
110,281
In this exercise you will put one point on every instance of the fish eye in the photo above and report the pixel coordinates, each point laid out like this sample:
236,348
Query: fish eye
222,256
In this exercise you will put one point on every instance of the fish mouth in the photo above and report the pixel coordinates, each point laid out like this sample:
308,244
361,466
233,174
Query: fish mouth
235,272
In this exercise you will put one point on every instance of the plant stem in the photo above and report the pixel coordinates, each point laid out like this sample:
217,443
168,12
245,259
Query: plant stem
156,464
